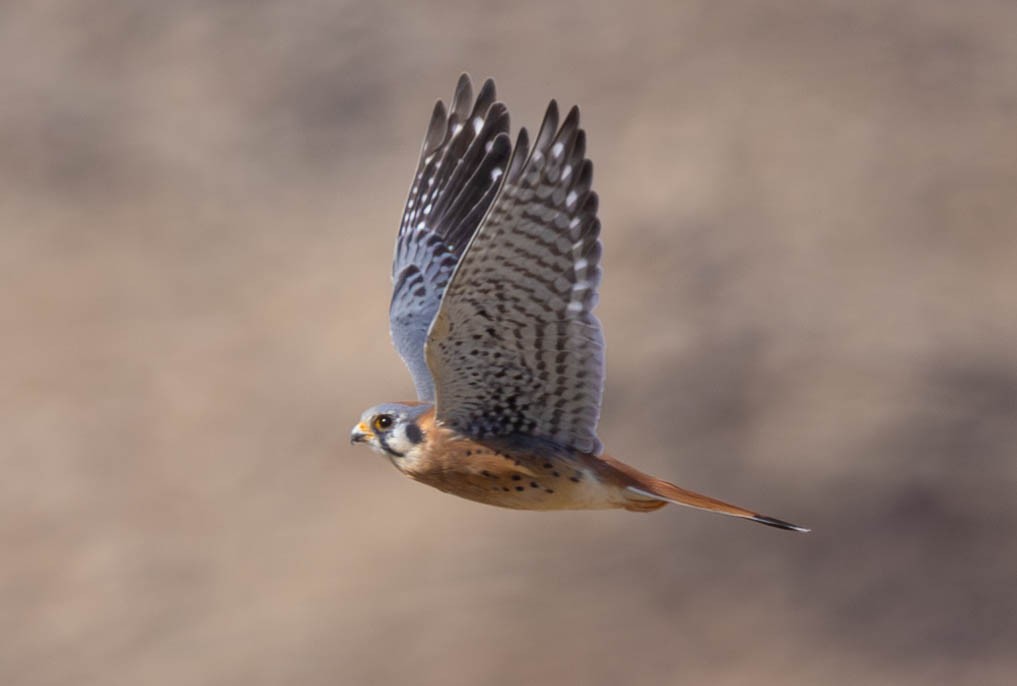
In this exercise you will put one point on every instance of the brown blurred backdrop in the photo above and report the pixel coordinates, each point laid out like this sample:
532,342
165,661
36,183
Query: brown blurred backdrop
809,299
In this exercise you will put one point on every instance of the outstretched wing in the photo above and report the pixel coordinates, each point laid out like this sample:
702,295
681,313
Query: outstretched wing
463,158
515,347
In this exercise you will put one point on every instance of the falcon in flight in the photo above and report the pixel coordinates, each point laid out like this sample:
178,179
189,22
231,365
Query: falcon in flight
495,279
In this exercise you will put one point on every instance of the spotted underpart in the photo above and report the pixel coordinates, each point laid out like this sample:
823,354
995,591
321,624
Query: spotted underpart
516,472
515,348
463,159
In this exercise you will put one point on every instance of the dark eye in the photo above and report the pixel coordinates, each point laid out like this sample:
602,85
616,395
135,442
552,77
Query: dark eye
382,421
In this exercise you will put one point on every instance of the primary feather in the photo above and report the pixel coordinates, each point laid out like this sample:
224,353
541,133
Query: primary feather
515,347
462,161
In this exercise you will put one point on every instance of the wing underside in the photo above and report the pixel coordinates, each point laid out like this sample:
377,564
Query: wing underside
515,347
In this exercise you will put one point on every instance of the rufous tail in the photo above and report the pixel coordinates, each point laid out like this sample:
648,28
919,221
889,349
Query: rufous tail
657,490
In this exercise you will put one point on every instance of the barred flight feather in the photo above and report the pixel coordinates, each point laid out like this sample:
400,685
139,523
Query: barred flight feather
515,347
462,162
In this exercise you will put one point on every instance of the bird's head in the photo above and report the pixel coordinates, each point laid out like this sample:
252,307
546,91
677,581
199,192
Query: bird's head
392,429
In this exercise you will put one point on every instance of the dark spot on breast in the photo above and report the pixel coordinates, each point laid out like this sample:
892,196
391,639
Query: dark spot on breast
414,434
520,488
488,474
516,477
468,453
547,465
556,473
534,484
505,488
574,478
549,490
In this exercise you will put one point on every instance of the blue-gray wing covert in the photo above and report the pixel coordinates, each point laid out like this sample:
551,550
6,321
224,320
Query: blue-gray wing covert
463,158
515,347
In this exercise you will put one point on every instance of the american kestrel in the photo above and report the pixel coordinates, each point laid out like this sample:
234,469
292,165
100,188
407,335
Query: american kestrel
495,280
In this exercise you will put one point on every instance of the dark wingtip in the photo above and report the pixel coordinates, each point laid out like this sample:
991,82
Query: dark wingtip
435,128
548,128
488,88
572,118
462,99
780,524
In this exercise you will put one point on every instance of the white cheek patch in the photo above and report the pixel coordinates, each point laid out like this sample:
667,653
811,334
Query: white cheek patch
402,441
404,444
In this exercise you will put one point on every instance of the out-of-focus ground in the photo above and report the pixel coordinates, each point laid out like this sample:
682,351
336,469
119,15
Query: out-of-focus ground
810,300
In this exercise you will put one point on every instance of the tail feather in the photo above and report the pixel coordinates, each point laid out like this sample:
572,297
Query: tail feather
658,490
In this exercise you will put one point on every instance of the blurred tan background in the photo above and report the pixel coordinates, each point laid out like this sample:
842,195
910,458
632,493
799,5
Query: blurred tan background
811,258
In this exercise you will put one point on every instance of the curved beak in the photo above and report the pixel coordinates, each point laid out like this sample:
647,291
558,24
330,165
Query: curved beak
360,434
